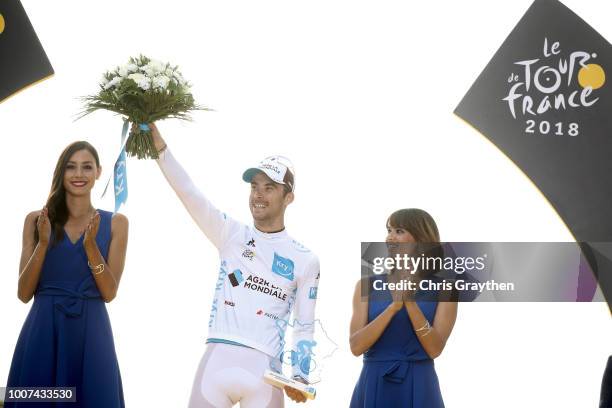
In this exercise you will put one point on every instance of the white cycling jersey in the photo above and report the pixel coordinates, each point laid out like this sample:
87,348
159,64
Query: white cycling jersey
263,277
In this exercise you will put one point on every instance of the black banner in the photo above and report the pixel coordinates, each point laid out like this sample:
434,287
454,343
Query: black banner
22,59
544,101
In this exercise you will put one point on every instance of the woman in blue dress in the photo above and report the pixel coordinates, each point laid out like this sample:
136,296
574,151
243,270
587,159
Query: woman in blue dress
71,263
399,336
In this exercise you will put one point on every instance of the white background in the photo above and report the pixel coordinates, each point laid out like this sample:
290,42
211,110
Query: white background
360,95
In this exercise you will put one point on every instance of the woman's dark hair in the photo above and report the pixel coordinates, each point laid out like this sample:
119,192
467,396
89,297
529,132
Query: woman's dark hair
56,203
417,222
424,230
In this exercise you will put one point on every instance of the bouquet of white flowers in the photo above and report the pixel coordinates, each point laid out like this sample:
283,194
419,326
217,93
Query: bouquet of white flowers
145,91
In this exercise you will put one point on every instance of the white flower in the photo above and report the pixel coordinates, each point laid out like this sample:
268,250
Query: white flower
148,71
160,82
153,68
141,81
169,72
113,82
126,69
122,70
136,77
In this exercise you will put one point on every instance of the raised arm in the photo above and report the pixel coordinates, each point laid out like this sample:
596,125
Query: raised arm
33,253
107,273
433,337
364,334
216,225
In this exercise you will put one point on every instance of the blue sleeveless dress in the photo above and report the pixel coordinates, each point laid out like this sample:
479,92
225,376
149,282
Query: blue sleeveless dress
66,340
397,372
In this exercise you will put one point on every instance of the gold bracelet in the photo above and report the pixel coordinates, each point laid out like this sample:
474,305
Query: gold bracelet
428,331
99,268
163,149
426,326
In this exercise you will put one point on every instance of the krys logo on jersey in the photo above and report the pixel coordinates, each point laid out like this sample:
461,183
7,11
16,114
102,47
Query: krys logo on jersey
558,79
283,266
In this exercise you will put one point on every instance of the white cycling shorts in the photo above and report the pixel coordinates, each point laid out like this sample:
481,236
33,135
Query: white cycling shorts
230,374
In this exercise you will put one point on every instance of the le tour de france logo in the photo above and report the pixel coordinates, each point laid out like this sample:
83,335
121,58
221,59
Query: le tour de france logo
559,80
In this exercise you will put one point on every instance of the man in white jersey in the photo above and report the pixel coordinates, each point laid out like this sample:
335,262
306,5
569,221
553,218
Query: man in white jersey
264,276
